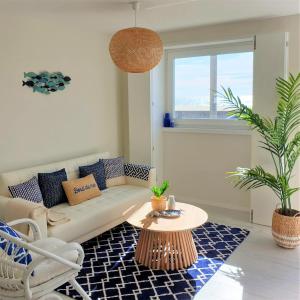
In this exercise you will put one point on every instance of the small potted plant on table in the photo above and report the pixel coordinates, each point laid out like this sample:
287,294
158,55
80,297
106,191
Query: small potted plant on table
158,201
281,138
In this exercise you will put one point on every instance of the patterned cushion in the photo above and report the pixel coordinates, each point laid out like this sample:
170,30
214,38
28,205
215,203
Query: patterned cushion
51,187
21,255
137,171
28,190
114,171
97,170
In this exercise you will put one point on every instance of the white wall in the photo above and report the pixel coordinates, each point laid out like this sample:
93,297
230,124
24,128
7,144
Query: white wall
84,118
196,164
139,118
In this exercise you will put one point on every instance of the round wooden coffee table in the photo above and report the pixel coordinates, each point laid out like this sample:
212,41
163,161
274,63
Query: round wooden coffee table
167,243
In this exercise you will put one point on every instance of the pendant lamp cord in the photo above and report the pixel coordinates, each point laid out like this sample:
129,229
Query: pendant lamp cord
135,6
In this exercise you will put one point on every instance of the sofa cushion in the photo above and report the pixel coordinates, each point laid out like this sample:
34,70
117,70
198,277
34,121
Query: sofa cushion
51,187
81,189
28,190
97,170
114,171
137,171
115,203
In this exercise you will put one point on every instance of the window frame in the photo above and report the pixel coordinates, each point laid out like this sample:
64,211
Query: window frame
207,49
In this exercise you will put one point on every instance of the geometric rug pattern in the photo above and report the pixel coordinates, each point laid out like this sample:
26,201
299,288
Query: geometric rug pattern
110,271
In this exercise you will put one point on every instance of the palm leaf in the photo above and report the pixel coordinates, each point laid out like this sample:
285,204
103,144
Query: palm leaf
288,88
255,178
241,111
288,109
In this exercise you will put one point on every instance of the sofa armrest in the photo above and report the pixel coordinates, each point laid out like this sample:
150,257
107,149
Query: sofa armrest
18,208
140,175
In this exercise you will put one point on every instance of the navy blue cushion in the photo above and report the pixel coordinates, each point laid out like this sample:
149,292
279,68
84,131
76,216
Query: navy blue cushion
28,190
21,256
97,170
51,187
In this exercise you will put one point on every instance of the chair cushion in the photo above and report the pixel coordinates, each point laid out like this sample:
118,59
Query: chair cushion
114,171
22,256
50,268
81,189
51,187
28,190
97,170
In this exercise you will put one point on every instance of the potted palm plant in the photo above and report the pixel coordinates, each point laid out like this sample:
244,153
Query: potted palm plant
158,200
281,139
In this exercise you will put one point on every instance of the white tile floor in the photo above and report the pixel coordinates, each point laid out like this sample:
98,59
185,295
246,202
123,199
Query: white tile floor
258,269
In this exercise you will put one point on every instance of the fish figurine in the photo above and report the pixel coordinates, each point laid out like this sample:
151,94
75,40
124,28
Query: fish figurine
67,79
29,74
44,74
28,83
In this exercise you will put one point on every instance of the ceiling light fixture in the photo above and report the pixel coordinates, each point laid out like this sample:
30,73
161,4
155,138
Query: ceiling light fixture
136,49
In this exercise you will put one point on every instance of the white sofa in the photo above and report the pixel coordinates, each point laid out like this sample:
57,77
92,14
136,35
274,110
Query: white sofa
87,219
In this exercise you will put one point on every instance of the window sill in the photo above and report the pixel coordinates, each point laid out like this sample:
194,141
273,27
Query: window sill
237,131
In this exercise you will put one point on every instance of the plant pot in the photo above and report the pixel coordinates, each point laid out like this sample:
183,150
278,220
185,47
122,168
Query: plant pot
159,203
286,229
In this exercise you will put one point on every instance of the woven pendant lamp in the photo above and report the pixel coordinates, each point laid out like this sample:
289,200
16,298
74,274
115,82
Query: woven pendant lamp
136,49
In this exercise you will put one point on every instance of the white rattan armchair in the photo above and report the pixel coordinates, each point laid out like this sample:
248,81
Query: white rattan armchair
54,262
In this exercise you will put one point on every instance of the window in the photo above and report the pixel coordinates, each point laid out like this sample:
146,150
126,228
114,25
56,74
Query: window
196,73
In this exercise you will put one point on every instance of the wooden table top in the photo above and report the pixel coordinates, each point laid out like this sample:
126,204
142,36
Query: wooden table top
191,218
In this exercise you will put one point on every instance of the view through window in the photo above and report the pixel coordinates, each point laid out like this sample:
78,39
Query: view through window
197,78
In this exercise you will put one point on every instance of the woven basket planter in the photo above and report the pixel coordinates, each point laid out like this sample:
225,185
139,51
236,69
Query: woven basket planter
286,230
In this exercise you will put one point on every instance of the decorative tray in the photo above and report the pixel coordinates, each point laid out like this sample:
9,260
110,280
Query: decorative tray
171,213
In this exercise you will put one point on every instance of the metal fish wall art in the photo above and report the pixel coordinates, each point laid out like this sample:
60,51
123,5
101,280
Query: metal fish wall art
45,82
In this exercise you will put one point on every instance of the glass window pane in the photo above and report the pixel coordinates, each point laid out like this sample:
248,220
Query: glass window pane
192,87
235,71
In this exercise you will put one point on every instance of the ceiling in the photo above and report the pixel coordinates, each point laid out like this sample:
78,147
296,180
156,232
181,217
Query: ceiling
161,15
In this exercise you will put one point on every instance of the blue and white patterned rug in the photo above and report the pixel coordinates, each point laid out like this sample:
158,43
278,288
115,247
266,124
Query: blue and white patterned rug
110,271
